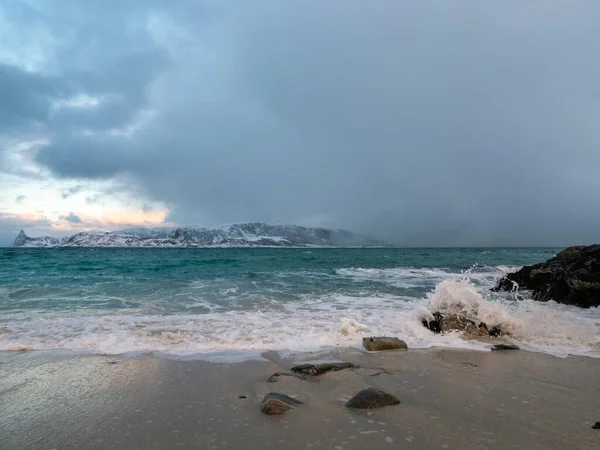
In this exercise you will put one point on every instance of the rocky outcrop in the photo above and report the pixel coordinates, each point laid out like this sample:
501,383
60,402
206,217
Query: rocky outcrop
274,404
571,277
372,398
377,344
443,323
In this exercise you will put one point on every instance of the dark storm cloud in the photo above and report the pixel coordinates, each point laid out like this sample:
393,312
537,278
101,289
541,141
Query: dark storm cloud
25,98
121,95
429,123
90,157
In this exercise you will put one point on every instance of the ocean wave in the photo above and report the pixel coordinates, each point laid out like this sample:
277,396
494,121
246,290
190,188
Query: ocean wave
316,322
408,277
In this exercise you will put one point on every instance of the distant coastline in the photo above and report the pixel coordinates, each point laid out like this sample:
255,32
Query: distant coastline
243,235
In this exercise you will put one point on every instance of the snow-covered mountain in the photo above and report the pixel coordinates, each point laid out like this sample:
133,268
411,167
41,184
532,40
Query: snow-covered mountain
254,234
22,240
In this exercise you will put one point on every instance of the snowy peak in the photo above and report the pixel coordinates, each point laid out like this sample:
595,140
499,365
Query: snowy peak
253,234
22,240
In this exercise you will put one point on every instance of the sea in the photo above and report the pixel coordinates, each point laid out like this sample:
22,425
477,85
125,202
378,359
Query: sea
227,304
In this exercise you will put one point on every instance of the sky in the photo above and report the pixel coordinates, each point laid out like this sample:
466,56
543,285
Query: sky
421,123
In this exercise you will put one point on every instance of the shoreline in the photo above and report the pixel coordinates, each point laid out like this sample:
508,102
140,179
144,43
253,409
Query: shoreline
449,399
482,344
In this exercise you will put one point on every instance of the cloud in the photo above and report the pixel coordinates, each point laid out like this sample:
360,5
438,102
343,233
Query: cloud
19,220
66,193
420,123
93,199
37,224
72,218
20,199
112,220
26,98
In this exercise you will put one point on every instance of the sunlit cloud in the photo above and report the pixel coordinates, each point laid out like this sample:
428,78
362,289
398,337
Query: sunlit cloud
72,223
31,219
112,220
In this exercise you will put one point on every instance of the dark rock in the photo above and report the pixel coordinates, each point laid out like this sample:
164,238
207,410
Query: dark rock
496,332
570,251
596,426
434,325
505,347
275,377
377,344
442,323
372,398
320,369
274,404
571,277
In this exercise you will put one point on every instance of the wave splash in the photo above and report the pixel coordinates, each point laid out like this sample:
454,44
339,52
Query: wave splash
316,322
548,327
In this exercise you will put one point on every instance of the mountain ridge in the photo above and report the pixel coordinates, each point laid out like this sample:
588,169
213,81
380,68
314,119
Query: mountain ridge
249,234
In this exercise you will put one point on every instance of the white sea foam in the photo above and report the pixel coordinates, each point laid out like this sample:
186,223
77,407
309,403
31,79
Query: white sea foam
402,277
351,327
549,327
407,277
331,322
317,322
460,297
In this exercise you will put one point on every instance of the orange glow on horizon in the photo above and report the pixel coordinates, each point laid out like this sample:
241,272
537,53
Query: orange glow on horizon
108,221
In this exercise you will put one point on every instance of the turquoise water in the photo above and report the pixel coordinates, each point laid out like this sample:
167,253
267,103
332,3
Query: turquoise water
199,300
37,281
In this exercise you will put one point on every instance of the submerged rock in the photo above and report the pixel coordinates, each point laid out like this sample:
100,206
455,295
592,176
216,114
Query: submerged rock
372,398
377,344
274,404
275,377
443,323
505,347
320,369
571,277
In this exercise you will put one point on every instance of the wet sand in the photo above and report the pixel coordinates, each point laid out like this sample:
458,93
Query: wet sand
450,399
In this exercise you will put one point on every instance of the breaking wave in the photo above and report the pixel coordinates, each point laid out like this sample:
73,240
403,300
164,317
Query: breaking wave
277,312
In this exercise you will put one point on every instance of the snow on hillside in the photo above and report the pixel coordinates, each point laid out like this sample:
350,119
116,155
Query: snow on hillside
254,234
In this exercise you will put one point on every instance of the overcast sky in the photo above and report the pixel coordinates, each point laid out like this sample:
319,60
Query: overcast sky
417,122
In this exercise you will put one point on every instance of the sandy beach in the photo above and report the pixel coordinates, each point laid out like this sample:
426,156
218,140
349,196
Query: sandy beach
450,399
